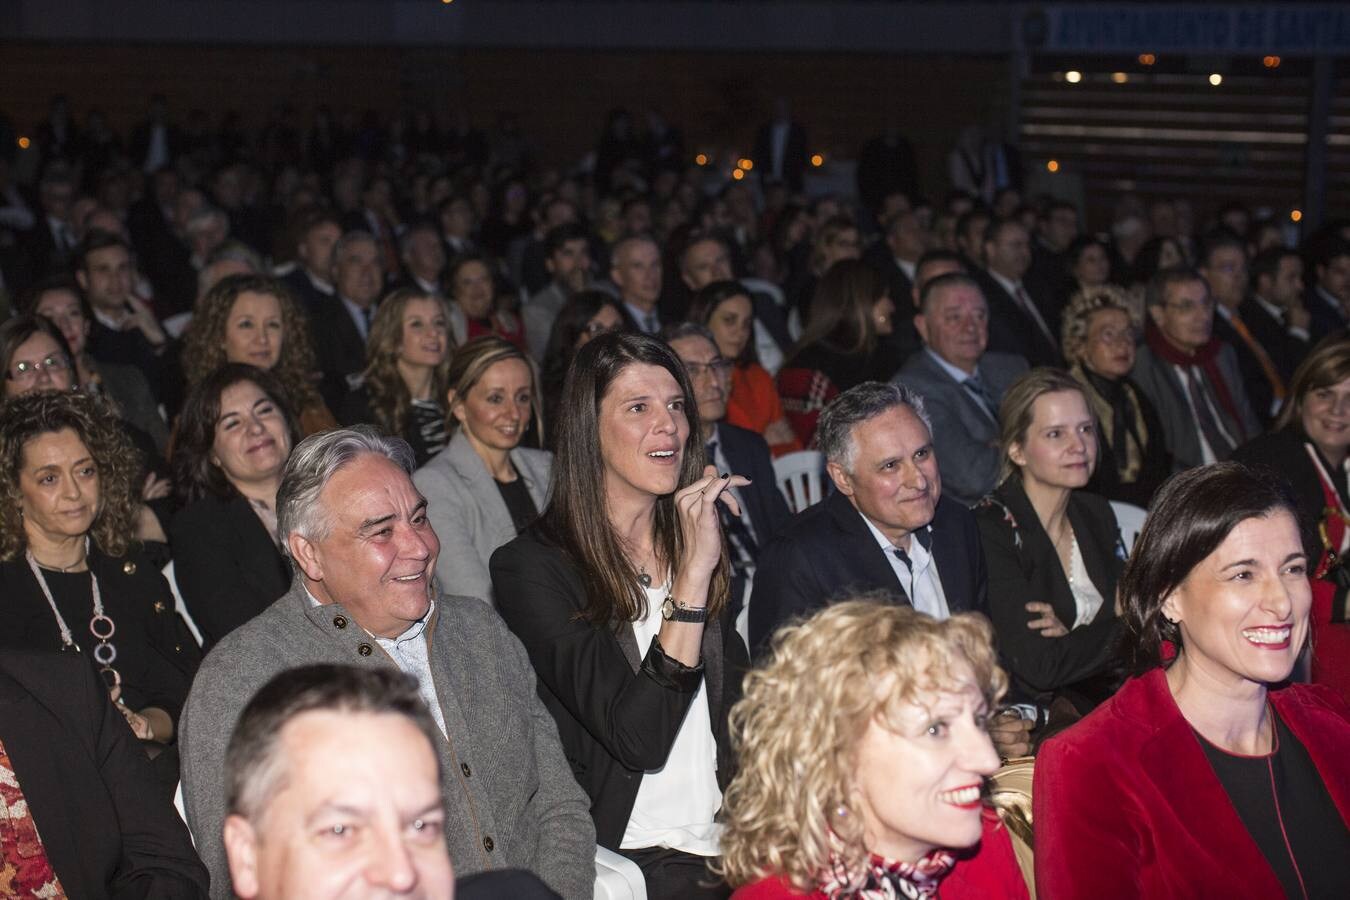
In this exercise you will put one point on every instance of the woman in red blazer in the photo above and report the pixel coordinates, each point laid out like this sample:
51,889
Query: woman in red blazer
1197,779
862,772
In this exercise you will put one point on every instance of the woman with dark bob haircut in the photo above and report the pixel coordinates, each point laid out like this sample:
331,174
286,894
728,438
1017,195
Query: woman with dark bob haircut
1203,776
234,436
619,594
72,576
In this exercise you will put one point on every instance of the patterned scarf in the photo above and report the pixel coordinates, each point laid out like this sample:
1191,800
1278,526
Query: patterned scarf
25,870
887,880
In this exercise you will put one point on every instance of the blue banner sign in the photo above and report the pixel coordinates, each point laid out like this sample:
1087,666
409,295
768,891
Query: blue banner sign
1290,29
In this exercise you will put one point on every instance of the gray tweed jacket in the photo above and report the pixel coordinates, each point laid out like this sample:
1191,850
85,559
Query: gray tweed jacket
511,800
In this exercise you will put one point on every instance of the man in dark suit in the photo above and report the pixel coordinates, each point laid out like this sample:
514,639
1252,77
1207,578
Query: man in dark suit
1328,301
1056,229
961,383
1274,308
780,148
764,512
1019,322
1223,264
51,241
341,324
896,258
886,527
124,330
316,234
707,259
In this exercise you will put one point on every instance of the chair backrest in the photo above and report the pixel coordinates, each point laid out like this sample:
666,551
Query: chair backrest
617,877
801,478
1130,520
179,605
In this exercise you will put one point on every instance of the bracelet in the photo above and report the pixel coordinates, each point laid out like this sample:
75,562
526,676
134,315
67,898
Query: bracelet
673,610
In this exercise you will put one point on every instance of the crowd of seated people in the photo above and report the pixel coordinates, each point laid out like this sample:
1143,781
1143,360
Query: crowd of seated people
412,401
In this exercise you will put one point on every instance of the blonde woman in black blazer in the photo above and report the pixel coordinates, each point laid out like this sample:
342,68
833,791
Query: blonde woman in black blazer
1053,551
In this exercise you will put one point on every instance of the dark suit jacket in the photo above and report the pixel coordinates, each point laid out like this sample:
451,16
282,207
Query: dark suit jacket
1041,666
126,348
1127,804
339,347
964,436
1158,379
768,512
827,551
617,713
106,828
1012,331
1283,453
310,297
226,565
1325,311
1260,392
794,154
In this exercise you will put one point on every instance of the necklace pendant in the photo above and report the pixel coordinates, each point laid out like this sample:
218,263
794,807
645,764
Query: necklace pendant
645,580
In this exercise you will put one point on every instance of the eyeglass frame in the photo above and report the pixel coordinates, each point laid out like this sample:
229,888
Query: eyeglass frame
56,362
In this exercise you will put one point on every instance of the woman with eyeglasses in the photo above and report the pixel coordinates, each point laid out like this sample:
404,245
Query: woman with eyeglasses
1098,338
36,359
60,302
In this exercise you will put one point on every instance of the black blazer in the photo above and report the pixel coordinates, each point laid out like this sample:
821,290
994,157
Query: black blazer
748,455
1012,331
339,347
1285,350
1041,666
617,713
226,565
156,655
1283,453
828,551
106,828
1260,392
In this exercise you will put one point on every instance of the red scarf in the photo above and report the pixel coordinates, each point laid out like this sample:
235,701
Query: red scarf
1207,358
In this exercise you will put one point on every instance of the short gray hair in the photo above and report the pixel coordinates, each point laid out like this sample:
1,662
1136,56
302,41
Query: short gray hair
682,330
313,463
858,404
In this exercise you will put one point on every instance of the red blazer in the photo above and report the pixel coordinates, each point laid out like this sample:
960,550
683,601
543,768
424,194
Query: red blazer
989,872
1126,804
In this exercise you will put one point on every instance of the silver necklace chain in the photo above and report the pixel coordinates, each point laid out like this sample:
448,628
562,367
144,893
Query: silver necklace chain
100,626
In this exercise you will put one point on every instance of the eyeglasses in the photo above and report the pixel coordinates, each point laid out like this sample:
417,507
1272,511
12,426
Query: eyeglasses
28,371
718,367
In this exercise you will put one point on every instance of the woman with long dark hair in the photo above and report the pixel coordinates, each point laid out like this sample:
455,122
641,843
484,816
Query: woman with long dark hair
849,312
619,594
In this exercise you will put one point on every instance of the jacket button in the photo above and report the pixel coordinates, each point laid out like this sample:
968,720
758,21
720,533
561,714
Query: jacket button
487,844
129,567
363,649
159,606
464,767
339,621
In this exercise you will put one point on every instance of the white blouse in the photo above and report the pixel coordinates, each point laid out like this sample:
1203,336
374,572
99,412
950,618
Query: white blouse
1085,594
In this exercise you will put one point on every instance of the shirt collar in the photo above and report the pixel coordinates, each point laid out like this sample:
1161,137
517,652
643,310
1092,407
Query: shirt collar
414,630
1275,312
957,374
917,552
1008,285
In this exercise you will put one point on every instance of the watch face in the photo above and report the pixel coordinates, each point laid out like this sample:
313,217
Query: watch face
667,608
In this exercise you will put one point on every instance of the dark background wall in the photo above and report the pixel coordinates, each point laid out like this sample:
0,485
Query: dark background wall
560,95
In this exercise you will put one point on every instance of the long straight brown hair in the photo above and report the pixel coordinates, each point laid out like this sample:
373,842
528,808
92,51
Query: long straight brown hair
577,518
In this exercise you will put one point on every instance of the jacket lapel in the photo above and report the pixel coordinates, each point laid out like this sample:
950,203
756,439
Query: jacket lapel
953,565
470,468
1176,765
862,557
1320,730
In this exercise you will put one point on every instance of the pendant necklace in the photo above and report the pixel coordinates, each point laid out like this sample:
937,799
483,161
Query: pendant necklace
643,578
100,626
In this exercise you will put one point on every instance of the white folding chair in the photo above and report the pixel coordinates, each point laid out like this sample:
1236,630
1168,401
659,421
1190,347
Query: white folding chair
801,478
179,605
617,877
1130,520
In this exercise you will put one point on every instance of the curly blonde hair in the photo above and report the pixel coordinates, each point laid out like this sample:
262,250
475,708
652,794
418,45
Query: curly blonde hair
204,345
390,398
797,728
1078,316
98,428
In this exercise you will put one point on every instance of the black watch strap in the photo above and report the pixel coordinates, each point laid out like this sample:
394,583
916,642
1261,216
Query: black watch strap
674,611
